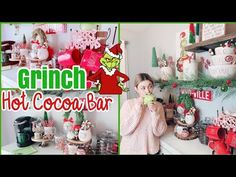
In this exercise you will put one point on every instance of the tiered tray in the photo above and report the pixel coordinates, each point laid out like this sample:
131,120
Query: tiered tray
192,133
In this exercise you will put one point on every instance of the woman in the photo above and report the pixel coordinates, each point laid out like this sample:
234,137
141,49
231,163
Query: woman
141,125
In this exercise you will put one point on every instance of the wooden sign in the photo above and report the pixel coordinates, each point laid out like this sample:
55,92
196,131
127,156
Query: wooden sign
197,94
210,31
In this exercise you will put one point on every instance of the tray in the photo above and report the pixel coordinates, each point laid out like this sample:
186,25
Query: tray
193,135
78,142
43,142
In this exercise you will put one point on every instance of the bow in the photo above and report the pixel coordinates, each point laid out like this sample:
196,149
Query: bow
69,120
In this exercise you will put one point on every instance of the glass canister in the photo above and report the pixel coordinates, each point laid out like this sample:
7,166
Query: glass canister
106,143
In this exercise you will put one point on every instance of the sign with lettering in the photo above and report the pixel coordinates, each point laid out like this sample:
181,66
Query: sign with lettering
210,31
198,94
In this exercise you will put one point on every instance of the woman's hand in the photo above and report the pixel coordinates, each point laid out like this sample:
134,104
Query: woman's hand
152,107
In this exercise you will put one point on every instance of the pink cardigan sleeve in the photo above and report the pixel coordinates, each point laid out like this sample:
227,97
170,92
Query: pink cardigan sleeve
159,125
130,116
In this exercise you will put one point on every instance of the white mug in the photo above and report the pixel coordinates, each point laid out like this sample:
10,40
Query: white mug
72,149
37,135
49,130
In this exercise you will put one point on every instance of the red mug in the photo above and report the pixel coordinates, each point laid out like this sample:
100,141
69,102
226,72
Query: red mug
215,133
219,147
231,139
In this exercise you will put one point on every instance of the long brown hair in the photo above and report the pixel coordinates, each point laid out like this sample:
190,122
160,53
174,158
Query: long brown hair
142,77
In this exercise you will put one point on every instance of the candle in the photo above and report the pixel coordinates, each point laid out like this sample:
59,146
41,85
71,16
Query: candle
190,70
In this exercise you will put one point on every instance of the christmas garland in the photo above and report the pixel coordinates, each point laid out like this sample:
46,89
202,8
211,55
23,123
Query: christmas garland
204,81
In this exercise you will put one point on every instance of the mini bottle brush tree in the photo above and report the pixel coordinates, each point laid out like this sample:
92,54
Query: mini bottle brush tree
46,122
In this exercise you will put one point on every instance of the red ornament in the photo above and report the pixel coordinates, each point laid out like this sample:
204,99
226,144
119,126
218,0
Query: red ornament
228,82
174,85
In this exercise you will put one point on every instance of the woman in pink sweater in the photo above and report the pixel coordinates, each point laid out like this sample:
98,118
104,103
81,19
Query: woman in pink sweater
141,125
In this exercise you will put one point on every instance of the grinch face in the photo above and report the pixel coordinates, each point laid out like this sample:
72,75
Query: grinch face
109,62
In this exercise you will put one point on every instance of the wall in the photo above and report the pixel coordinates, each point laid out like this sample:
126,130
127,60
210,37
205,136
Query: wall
141,38
101,120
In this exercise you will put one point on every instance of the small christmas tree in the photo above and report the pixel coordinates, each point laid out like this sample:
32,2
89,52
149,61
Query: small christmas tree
45,117
154,58
79,117
24,39
163,61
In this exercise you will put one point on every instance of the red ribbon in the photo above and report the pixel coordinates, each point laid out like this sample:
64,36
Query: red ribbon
68,120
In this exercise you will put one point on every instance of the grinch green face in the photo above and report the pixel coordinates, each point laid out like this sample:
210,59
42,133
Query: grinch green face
109,62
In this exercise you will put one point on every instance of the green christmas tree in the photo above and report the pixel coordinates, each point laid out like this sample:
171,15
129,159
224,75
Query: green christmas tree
154,58
24,39
67,114
45,117
79,118
191,33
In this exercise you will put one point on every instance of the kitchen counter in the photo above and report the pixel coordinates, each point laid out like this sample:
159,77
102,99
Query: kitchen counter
49,149
170,144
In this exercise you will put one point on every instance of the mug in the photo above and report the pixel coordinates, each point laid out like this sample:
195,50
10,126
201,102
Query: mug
24,52
37,135
215,133
231,139
72,149
49,130
219,147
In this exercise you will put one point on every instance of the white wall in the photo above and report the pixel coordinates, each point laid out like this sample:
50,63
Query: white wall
141,38
101,120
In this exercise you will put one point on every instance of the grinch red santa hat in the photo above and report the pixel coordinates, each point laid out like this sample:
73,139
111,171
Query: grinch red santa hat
115,51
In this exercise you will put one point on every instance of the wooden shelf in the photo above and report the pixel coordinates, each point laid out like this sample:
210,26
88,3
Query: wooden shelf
210,44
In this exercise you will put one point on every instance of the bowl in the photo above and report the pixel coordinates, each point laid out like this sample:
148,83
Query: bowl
224,50
223,59
223,71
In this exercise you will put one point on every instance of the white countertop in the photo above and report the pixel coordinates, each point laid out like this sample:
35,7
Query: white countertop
9,77
50,149
177,146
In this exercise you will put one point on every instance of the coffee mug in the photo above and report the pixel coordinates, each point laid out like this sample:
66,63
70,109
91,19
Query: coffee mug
49,130
231,139
219,147
37,135
72,149
215,133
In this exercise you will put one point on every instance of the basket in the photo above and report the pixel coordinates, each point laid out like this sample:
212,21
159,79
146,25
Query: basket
202,133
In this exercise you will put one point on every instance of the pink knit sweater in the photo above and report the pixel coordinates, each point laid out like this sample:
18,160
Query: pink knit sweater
140,128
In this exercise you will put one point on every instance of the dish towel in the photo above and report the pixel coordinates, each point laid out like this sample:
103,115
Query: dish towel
25,151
